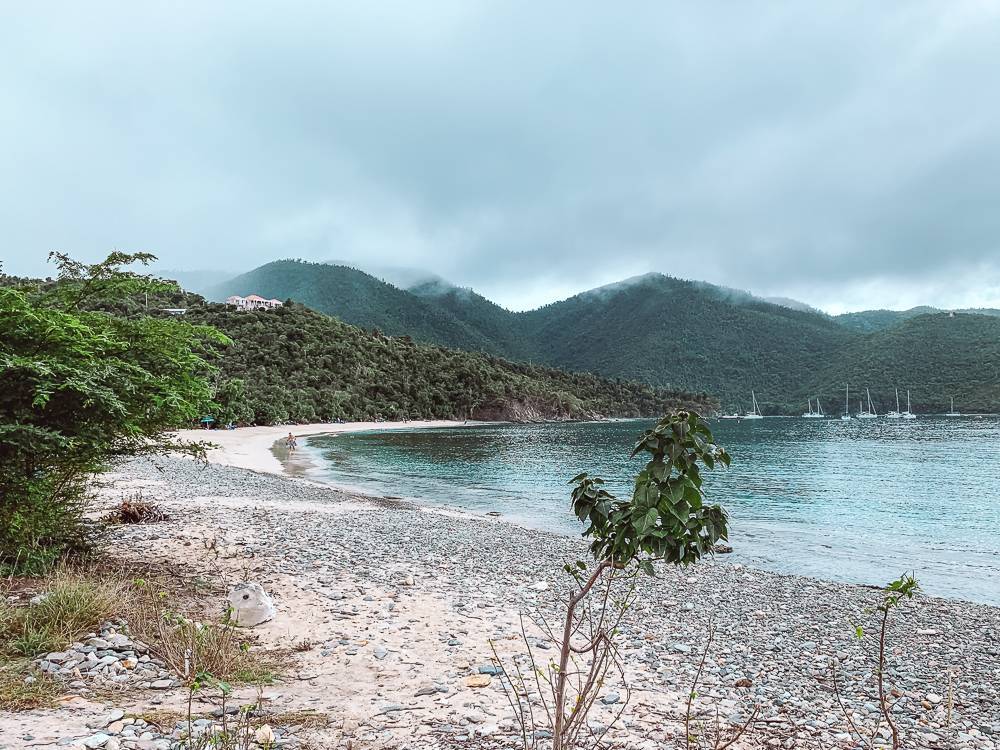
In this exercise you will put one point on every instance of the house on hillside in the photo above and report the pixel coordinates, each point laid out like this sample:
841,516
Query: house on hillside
252,302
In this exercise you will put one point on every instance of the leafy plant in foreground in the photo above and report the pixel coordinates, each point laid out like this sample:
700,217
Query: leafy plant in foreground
666,519
902,588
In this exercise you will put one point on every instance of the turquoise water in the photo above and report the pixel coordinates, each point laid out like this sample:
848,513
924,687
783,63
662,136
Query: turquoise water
849,501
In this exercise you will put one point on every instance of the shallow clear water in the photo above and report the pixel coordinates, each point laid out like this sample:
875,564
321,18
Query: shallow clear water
850,501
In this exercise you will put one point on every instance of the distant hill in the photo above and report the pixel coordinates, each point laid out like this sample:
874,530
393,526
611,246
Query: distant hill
794,304
669,332
356,298
662,330
867,321
293,364
936,356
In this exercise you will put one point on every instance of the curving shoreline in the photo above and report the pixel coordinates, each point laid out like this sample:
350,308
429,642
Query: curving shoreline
251,447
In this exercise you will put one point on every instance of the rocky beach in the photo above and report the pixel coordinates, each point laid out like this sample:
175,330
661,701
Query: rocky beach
386,612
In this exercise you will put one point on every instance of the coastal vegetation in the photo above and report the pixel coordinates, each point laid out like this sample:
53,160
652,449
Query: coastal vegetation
669,332
895,593
94,367
296,365
79,388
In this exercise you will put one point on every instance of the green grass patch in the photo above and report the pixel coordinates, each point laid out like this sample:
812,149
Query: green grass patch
71,606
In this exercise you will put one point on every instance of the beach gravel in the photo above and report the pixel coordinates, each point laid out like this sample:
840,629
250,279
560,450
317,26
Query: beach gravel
400,602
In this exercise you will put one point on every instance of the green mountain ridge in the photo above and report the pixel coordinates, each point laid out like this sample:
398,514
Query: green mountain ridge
294,364
877,320
674,333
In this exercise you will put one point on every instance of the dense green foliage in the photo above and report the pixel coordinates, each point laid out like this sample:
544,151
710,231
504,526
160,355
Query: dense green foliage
662,330
79,387
936,357
356,298
297,365
868,321
680,334
667,518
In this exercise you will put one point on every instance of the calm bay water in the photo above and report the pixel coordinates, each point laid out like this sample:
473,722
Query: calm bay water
856,501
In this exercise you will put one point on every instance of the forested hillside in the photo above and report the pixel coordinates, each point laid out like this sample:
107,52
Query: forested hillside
666,331
679,334
294,364
935,356
868,321
355,298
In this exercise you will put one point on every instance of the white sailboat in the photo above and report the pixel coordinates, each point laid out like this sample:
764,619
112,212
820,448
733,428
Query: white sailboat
733,415
953,413
818,414
908,414
846,416
755,411
870,412
897,414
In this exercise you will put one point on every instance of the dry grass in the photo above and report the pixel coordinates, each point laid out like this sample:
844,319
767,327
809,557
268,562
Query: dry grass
137,510
166,612
163,719
17,695
72,605
305,719
173,622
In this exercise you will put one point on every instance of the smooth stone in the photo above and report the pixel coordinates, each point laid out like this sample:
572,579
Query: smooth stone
250,604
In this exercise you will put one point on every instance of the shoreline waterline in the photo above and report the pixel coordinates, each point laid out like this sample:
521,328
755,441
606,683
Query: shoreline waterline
846,503
394,594
307,465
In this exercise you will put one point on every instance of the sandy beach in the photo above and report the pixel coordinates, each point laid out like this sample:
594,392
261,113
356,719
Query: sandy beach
250,447
394,607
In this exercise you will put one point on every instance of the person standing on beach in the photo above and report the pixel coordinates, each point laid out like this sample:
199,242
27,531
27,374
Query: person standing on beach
290,442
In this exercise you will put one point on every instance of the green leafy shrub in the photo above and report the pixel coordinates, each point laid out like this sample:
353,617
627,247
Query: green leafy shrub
80,387
666,520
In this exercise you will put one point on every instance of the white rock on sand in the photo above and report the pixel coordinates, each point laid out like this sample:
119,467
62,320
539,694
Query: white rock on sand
251,605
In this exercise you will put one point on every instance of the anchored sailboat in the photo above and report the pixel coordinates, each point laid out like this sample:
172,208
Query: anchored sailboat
755,411
818,414
870,412
953,413
908,414
846,416
897,414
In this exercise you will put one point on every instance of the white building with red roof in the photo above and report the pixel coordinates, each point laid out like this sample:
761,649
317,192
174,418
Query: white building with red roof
253,302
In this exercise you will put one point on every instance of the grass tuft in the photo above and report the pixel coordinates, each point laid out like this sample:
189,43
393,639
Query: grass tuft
72,605
191,641
22,690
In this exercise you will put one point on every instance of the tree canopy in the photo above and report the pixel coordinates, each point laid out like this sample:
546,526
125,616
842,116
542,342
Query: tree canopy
79,387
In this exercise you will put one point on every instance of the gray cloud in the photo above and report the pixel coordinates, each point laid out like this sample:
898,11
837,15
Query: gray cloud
848,155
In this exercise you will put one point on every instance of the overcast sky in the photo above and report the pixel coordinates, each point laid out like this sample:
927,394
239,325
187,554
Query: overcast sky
846,154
